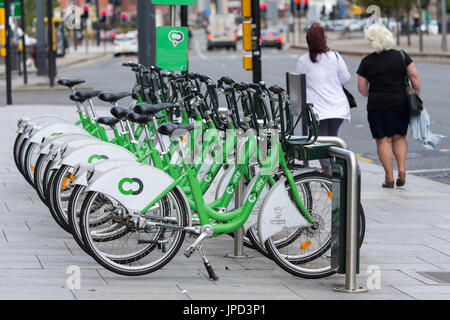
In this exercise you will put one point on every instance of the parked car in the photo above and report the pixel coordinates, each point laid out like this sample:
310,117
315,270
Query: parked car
221,32
125,43
271,38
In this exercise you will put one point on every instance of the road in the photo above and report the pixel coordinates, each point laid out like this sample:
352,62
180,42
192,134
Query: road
107,74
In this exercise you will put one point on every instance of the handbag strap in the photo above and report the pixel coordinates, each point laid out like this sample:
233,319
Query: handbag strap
402,53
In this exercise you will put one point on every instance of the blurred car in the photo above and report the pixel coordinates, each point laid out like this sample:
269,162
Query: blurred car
271,38
125,43
221,32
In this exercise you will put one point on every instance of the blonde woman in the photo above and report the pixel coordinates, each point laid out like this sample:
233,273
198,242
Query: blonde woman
381,78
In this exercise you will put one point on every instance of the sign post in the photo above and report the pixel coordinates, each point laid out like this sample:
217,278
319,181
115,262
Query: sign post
172,42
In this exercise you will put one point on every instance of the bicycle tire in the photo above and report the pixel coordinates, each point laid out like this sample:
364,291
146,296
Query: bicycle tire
124,269
28,165
38,177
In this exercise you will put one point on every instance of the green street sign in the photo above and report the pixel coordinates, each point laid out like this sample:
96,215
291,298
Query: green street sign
175,2
2,2
16,11
172,48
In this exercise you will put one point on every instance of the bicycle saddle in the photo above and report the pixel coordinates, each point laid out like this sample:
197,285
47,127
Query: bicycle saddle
70,83
112,97
87,94
75,98
138,118
120,112
276,89
148,109
108,121
169,128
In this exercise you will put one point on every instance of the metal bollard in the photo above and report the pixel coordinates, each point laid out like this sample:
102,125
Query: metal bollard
352,220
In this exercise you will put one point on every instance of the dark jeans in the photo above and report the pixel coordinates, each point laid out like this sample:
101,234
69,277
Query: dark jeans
329,127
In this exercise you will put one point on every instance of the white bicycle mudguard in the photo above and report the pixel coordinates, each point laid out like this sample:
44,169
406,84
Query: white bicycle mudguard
134,186
54,130
69,147
253,217
278,212
99,168
37,120
94,152
56,141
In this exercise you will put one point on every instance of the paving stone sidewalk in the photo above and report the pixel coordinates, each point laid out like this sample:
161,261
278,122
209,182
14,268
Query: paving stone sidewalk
408,232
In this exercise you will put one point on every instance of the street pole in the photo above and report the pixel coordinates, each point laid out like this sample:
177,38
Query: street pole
24,47
40,35
8,53
419,6
256,52
172,13
146,32
98,22
444,24
185,23
51,53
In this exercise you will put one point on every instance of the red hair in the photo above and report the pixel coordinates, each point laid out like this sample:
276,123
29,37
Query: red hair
317,42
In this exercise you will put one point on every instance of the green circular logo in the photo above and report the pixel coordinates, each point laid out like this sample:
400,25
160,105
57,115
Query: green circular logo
97,157
176,37
130,186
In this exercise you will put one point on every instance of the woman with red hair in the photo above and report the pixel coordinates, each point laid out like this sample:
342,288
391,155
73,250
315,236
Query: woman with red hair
326,73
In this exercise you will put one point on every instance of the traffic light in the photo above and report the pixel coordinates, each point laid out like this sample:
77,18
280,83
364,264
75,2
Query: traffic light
103,17
246,8
305,6
299,4
263,7
124,17
85,14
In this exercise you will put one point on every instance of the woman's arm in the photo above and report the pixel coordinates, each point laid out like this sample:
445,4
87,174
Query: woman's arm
343,74
413,76
363,86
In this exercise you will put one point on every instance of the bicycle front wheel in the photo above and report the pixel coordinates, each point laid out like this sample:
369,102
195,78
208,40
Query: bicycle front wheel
138,250
302,252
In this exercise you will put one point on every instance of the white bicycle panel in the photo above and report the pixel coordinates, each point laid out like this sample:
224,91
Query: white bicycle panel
278,212
57,141
133,186
253,217
94,152
99,168
54,129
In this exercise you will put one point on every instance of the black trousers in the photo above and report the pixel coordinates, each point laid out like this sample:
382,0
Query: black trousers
329,127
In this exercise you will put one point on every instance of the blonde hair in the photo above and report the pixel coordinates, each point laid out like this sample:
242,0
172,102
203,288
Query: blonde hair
380,37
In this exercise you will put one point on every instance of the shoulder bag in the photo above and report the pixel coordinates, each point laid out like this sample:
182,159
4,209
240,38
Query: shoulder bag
413,101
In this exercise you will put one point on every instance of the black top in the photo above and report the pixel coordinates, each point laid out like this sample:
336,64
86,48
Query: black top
386,74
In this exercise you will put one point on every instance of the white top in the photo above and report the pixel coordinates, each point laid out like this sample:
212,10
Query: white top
324,81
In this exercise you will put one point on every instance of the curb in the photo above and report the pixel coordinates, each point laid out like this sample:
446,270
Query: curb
40,87
69,64
443,56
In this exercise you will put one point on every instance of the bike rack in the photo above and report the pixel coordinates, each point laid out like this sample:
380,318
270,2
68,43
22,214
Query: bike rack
238,252
340,151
